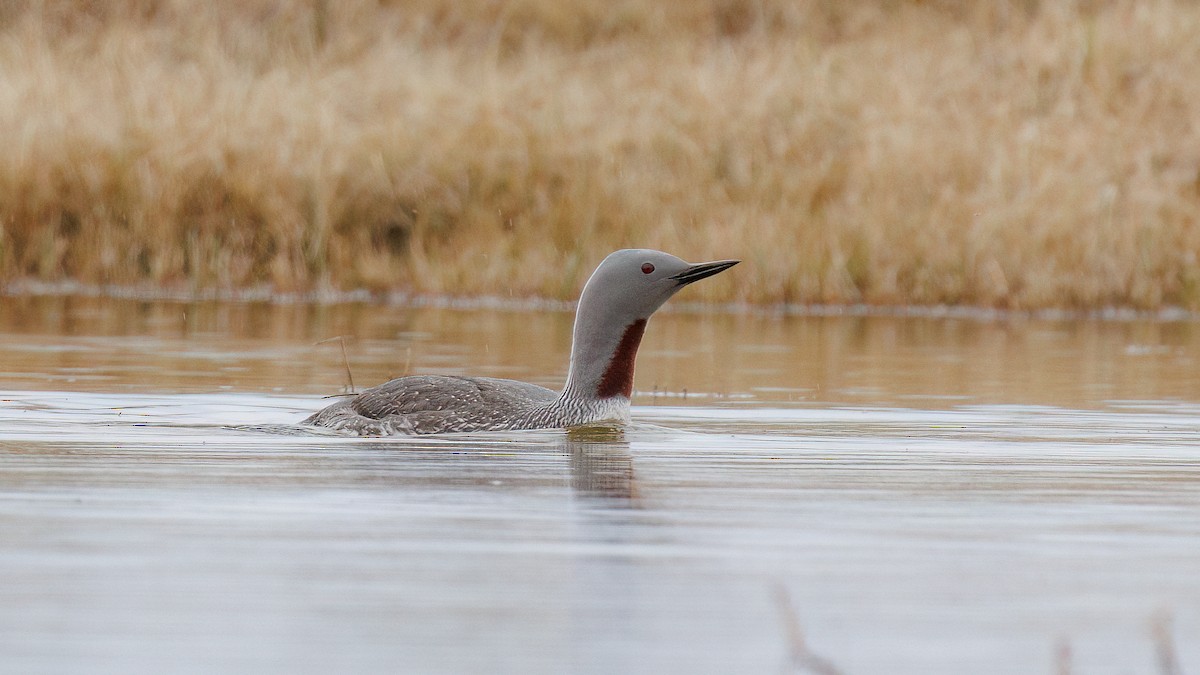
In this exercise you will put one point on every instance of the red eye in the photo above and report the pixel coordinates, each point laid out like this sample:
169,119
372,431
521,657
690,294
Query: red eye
647,268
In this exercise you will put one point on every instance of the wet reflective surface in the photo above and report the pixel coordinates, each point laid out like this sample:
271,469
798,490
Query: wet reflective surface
857,495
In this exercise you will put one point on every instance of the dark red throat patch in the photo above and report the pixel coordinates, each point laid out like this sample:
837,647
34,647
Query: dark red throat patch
618,377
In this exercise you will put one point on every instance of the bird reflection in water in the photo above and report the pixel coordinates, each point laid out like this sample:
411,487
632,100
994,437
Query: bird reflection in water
601,466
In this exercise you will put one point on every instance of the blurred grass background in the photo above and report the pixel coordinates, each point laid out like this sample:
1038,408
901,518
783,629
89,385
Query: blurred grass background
1018,154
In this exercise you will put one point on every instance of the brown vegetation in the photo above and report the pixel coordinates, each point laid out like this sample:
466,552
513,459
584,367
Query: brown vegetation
1019,154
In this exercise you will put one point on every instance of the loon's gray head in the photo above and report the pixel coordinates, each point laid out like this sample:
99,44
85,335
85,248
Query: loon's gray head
618,299
633,283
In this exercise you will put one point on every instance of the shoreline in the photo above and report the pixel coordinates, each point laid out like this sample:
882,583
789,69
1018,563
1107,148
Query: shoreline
419,300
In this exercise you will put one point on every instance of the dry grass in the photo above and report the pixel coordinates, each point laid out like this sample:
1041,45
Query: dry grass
1015,154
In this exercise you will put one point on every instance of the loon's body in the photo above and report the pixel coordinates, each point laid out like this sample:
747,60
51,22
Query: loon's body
430,404
616,303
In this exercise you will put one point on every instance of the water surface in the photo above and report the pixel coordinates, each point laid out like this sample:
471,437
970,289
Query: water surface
861,494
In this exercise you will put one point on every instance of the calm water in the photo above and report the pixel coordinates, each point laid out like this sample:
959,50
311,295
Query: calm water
854,495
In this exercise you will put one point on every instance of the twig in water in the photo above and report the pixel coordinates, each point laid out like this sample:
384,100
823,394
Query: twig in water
1164,644
801,658
345,358
1062,657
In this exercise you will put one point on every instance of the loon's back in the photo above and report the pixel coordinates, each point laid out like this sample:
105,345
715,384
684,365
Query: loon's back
428,404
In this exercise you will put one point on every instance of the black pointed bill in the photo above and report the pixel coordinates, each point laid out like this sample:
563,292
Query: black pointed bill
703,271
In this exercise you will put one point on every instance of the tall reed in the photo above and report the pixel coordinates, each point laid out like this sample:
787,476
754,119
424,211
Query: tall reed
1012,154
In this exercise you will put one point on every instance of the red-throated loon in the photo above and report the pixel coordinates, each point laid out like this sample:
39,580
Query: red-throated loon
618,299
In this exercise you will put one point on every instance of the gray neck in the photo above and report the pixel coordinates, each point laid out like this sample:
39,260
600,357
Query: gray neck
602,358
